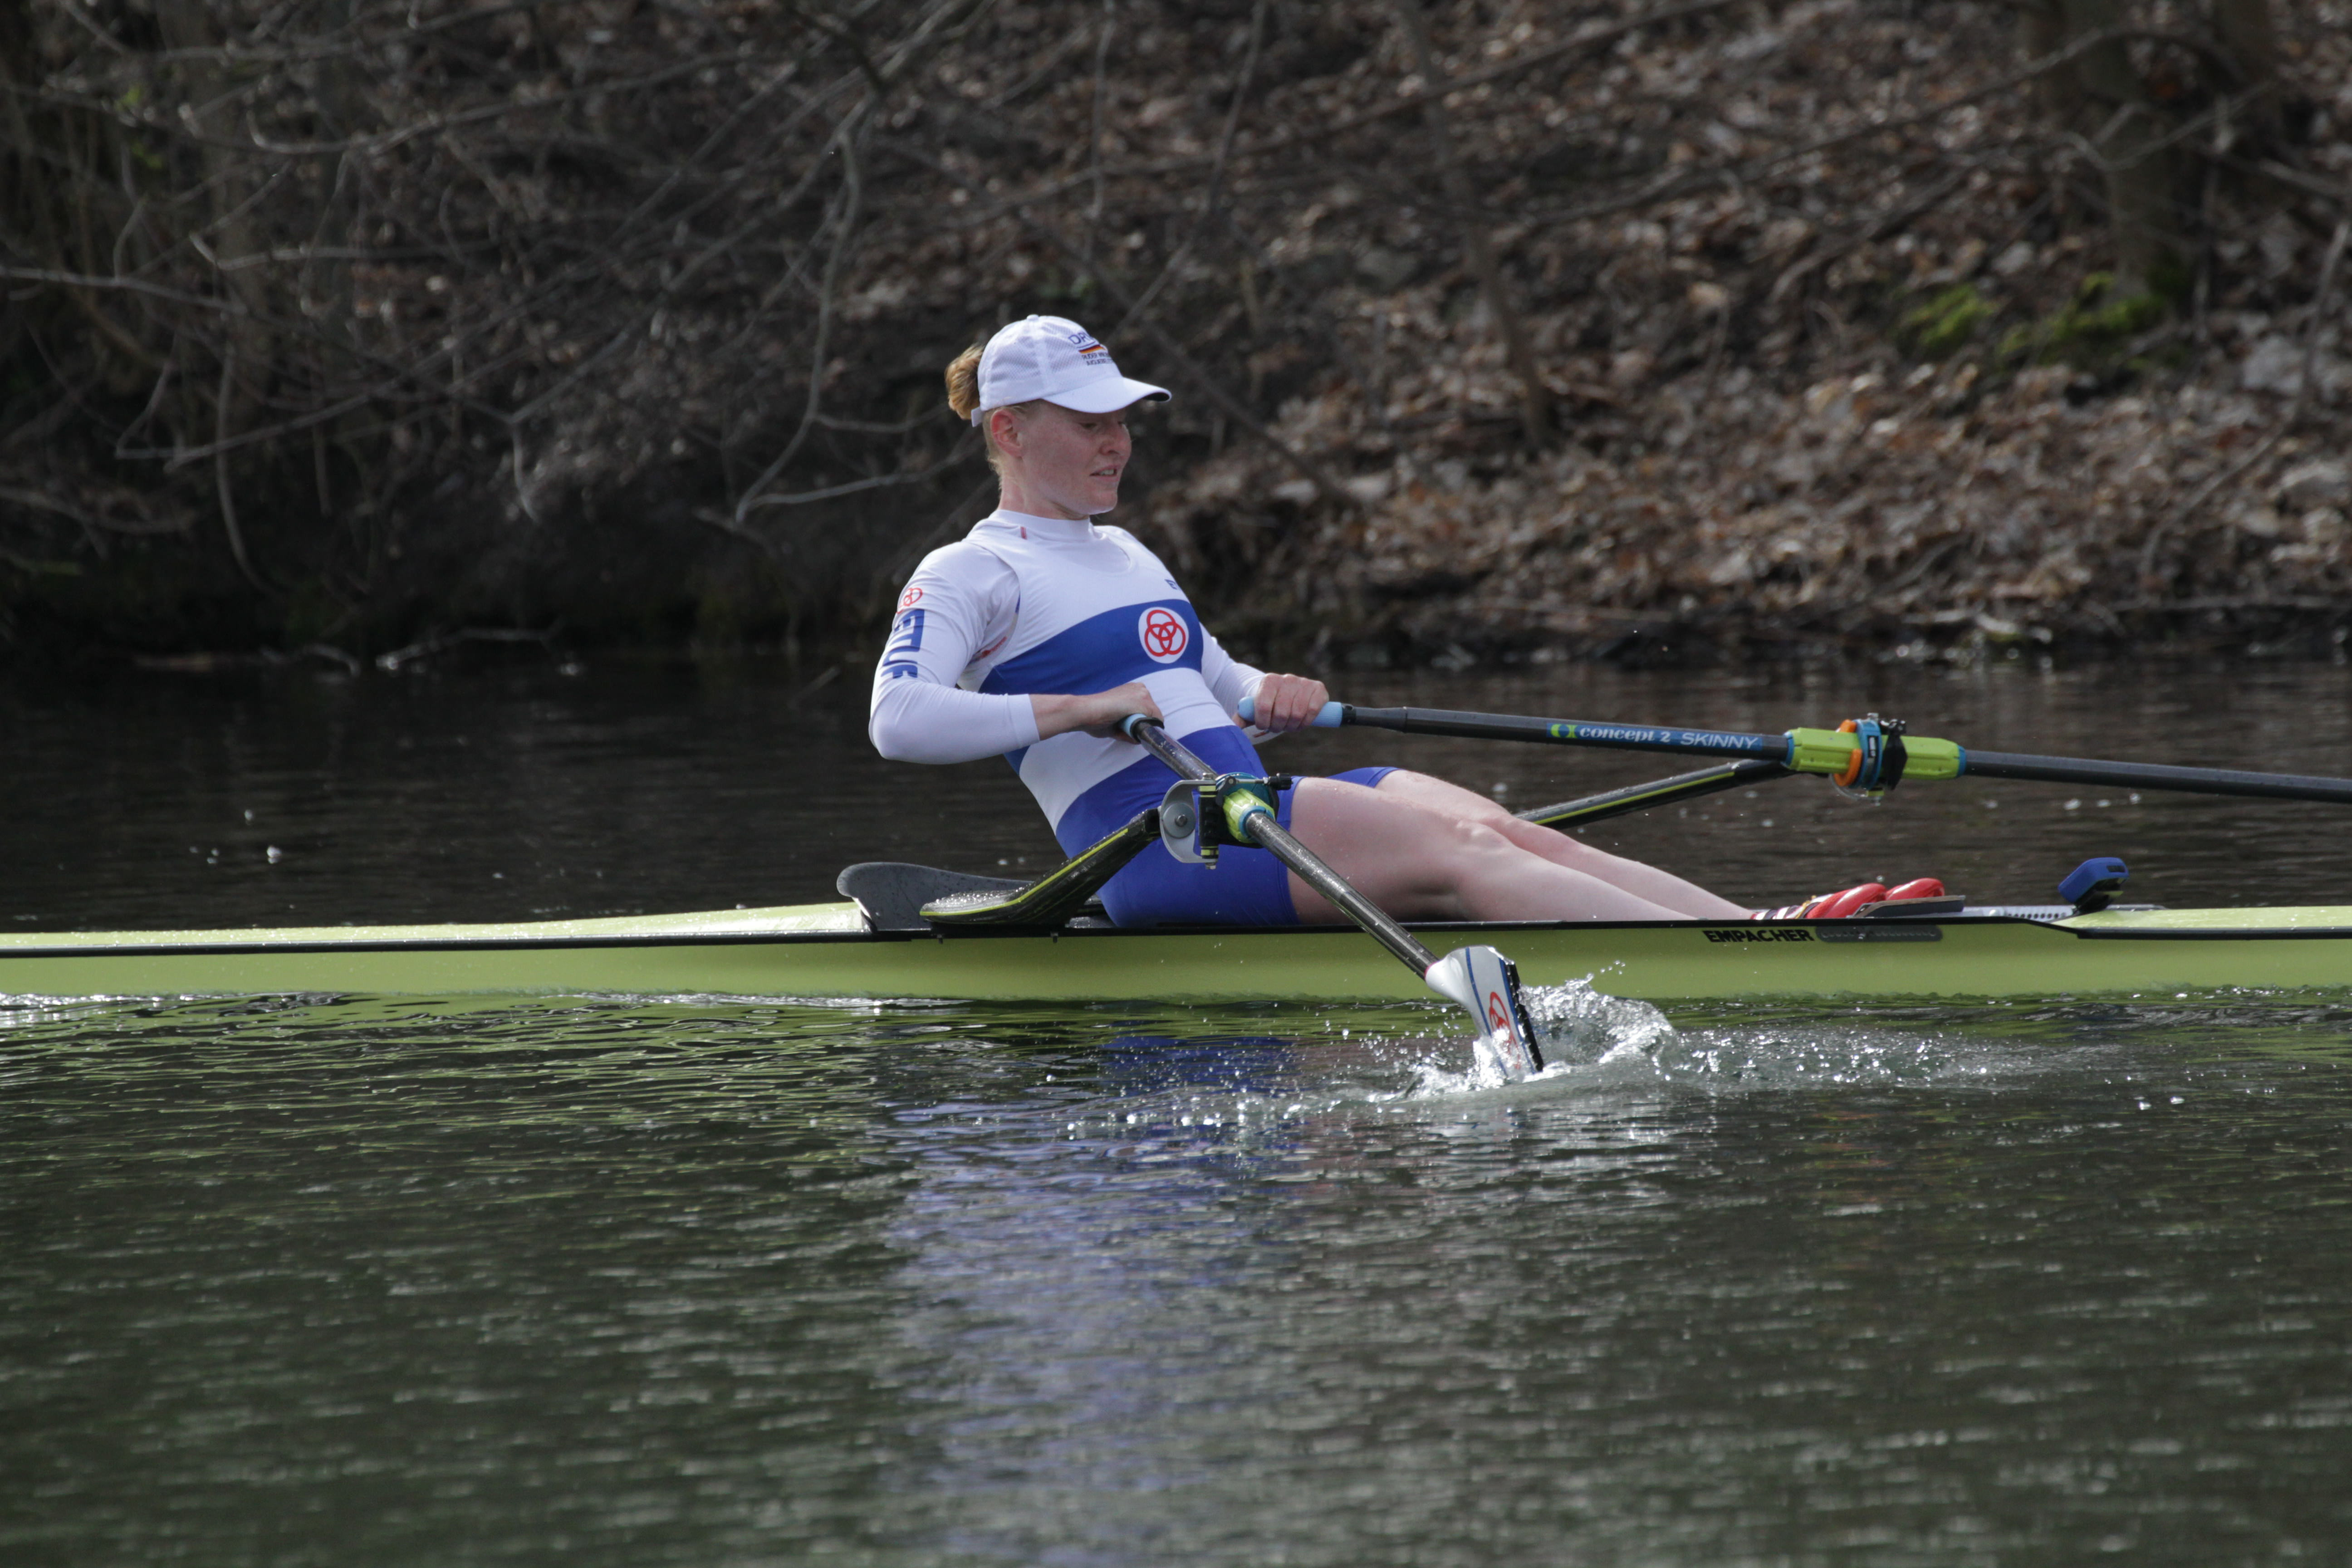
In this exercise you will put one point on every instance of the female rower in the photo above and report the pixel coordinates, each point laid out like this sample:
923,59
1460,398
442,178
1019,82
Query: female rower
1042,628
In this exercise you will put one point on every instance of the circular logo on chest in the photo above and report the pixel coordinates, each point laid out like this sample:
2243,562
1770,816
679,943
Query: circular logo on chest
1165,635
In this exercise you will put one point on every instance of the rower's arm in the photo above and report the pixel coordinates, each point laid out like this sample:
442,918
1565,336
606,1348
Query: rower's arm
1097,713
925,722
960,601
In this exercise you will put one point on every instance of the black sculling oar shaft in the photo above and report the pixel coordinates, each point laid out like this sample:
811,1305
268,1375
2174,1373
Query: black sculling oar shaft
1830,752
1477,978
1262,829
2154,775
1563,732
1586,810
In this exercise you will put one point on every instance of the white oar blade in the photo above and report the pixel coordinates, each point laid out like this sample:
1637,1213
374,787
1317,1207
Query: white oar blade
1486,983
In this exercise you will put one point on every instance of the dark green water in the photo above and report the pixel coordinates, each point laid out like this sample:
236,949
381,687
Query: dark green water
346,1280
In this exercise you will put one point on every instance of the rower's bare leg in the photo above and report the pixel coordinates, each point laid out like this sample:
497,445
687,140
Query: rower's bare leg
1419,863
1687,898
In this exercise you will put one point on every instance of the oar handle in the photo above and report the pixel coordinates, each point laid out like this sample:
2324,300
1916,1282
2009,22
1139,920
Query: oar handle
1330,716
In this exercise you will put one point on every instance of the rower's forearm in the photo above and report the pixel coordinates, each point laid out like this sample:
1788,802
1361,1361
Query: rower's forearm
1093,711
1054,714
916,720
1060,714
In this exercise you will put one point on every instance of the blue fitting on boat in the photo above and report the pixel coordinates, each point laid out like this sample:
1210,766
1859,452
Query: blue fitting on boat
2093,885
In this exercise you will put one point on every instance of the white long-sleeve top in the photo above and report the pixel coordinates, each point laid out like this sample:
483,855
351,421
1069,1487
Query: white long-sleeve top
1025,605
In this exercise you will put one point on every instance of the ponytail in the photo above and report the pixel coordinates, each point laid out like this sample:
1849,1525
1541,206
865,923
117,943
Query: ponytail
963,383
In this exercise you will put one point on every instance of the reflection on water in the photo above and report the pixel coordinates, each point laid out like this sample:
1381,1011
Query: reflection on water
609,1282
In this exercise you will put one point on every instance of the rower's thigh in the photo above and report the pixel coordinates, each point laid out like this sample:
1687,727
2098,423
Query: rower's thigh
1452,800
1392,847
1436,795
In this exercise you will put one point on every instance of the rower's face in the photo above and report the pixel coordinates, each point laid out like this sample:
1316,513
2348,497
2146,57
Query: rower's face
1073,461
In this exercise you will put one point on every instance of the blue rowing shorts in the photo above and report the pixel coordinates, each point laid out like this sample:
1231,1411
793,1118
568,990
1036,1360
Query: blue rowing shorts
1245,887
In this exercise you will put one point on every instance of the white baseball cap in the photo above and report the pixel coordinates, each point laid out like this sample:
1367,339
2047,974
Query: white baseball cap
1054,358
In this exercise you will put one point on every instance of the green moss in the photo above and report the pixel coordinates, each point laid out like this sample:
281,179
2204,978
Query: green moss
2094,325
1942,325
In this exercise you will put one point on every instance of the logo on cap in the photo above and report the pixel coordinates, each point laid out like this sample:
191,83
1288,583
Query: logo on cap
1164,634
1054,358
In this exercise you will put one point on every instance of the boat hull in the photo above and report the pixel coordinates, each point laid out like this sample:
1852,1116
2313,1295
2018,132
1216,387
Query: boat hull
824,951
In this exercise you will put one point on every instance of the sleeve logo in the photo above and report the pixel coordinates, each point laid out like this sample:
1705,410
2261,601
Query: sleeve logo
910,598
898,661
1165,635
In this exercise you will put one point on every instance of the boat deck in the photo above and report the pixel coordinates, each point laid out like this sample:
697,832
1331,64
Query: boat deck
820,950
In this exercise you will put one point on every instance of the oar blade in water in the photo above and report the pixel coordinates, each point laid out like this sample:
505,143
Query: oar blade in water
1485,982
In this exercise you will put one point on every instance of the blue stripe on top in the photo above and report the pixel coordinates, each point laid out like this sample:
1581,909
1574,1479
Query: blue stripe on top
1098,653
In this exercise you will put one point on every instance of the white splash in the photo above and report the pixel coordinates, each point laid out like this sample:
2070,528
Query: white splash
1579,1029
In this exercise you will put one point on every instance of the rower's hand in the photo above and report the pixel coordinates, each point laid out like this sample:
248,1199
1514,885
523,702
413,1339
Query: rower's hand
1287,703
1094,712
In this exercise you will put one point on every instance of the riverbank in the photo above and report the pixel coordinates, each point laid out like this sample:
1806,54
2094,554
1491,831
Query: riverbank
1712,332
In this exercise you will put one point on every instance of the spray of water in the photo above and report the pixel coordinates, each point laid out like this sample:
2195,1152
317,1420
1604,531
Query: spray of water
1580,1028
1592,1040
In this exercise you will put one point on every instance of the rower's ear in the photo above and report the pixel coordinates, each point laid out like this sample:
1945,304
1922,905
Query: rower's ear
1004,428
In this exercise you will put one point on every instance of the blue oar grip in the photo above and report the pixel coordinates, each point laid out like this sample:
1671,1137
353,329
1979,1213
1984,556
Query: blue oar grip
1331,717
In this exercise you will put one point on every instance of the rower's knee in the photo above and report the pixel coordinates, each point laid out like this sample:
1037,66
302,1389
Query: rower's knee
1481,840
1440,857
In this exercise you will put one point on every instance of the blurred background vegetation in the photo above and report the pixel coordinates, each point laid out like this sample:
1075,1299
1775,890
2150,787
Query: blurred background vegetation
1500,330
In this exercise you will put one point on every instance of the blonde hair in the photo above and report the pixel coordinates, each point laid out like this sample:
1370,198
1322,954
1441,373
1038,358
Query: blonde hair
963,383
963,396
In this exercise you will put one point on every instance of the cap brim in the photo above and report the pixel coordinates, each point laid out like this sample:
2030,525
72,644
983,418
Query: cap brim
1109,395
